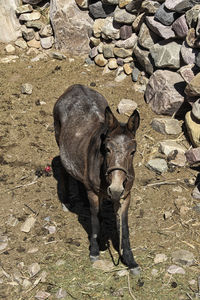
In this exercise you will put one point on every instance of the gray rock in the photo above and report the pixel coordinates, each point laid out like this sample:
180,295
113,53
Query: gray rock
21,43
144,59
47,42
120,75
121,52
108,50
70,26
37,24
123,16
164,92
9,23
27,88
164,15
193,155
57,55
166,126
28,33
180,27
35,15
188,54
150,7
134,6
27,8
171,4
46,31
183,257
99,10
135,74
126,106
196,194
158,165
161,30
146,37
125,32
128,43
193,87
109,31
93,52
167,146
187,72
174,269
192,16
183,6
166,55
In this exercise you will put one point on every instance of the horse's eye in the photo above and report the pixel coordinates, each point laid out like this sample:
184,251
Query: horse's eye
107,150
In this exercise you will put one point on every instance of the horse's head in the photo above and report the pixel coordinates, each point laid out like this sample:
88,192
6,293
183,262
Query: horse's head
119,146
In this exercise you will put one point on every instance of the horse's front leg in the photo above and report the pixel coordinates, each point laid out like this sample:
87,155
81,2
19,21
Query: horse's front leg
121,210
94,209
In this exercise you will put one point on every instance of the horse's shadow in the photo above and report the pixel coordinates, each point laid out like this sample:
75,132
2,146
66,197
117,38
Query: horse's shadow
72,194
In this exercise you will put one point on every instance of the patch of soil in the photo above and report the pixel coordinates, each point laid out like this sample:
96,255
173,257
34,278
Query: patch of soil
27,147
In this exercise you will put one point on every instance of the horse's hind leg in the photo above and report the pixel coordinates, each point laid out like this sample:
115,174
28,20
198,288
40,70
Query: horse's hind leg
94,209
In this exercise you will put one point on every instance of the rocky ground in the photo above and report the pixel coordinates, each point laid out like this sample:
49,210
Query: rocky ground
43,248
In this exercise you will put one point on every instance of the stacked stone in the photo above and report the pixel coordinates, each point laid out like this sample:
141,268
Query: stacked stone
36,33
158,35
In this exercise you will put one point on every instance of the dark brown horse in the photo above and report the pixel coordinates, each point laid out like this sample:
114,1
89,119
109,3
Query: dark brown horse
98,151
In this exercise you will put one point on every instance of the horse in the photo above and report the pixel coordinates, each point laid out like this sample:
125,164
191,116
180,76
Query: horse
97,150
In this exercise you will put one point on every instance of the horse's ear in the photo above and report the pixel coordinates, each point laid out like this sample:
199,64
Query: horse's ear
133,122
110,119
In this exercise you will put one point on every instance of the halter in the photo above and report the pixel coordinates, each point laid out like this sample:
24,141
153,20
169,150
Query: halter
114,168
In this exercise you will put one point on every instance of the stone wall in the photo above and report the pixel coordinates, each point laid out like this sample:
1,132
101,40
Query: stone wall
160,38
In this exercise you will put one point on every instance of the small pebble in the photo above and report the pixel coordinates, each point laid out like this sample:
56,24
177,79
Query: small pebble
33,269
159,258
122,273
61,294
27,88
41,295
174,269
103,265
28,224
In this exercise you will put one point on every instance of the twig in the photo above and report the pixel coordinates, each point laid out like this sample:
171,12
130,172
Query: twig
189,296
129,288
198,283
33,211
21,186
162,183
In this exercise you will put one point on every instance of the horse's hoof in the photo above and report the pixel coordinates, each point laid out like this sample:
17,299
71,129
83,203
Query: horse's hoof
135,271
94,258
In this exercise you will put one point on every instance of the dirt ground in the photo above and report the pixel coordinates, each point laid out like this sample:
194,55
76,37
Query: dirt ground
27,147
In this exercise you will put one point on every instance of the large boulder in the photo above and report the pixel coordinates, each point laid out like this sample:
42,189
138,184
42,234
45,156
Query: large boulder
164,92
71,26
9,24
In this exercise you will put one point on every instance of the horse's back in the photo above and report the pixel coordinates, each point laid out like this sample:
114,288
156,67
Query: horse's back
78,113
80,103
